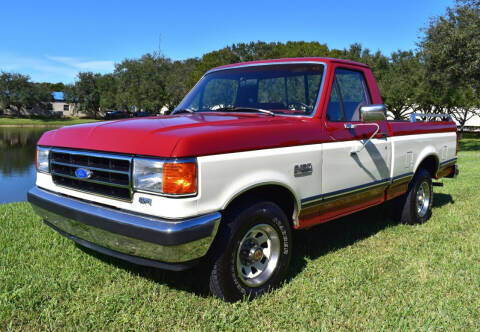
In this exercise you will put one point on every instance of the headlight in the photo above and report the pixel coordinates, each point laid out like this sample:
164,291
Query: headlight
171,178
42,159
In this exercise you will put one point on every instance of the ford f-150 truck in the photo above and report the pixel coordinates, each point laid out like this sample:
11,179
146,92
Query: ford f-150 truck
253,152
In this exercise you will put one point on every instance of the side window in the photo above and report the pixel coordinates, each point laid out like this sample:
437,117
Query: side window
334,108
353,92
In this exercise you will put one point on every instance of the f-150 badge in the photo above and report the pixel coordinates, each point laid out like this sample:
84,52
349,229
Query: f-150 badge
303,170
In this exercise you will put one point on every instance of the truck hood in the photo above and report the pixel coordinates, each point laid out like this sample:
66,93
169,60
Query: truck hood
186,135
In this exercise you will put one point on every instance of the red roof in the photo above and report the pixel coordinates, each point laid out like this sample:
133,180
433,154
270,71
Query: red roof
314,59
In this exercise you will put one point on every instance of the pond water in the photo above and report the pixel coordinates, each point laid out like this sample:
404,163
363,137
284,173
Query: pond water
17,161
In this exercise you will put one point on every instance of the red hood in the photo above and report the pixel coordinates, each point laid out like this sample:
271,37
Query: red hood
186,135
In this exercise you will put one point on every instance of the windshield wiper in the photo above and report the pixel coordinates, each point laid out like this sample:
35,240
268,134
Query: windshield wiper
182,110
243,109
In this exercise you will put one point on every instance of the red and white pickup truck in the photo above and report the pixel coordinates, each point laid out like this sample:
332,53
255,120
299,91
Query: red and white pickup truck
254,151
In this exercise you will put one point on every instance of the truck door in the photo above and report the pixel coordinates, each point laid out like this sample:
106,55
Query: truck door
352,180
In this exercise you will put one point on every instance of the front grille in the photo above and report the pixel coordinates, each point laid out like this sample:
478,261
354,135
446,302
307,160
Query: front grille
109,175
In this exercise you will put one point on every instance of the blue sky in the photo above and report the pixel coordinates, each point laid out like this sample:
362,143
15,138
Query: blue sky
53,40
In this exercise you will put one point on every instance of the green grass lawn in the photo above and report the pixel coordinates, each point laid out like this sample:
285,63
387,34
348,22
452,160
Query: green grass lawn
42,122
362,272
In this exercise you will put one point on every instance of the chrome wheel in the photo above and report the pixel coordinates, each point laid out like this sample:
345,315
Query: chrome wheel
424,194
257,255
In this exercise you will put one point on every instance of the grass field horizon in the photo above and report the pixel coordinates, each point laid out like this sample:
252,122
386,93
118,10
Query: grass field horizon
361,272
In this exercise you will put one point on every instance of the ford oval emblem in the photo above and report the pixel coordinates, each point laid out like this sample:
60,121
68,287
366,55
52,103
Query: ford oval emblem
83,173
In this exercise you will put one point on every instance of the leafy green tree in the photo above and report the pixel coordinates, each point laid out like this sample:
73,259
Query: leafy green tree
107,88
13,90
399,83
85,93
179,81
451,52
18,92
142,83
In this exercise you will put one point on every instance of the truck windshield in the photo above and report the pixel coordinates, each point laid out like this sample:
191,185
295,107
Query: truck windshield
283,89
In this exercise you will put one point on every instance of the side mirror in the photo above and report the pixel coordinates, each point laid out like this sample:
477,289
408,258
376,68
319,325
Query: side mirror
373,113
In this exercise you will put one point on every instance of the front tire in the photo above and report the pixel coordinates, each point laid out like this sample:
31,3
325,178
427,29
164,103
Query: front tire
416,205
252,251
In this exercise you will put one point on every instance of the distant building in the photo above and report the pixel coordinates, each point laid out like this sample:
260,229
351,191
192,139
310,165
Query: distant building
473,124
58,107
62,108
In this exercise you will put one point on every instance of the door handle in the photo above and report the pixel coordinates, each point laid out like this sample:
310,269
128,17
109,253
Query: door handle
381,135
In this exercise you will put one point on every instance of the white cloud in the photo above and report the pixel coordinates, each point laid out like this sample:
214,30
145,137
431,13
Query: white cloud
82,64
52,68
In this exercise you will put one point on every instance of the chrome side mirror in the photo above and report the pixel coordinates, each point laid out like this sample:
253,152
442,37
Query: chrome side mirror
373,113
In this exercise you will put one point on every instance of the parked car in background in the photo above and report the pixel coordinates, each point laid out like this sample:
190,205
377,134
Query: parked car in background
112,115
141,114
254,152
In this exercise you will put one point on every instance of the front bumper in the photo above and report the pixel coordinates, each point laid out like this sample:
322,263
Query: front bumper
144,240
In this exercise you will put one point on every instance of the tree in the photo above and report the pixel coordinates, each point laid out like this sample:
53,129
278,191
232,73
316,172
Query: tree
85,93
451,52
107,88
399,83
17,92
142,83
179,81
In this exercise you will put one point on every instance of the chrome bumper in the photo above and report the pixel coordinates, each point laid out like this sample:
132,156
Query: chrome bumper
140,239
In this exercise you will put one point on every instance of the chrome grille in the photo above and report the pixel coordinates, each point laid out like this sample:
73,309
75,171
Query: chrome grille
110,175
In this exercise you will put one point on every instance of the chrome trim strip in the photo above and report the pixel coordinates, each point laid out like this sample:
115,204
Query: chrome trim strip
90,167
128,200
92,154
110,184
320,92
133,234
402,176
306,202
167,160
453,160
233,66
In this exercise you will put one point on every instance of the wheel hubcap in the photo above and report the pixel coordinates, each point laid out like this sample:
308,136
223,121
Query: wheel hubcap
423,198
257,255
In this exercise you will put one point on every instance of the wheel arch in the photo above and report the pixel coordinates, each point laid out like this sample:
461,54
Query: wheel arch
428,160
281,194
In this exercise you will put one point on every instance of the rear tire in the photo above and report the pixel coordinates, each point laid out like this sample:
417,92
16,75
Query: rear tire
415,207
251,252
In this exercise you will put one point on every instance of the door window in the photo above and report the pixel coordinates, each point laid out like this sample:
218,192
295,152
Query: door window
335,107
349,93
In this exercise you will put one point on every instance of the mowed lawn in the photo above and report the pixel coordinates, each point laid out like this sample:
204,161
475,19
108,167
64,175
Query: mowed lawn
43,122
363,272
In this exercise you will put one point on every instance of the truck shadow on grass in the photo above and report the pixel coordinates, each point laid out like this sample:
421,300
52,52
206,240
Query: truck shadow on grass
346,231
313,243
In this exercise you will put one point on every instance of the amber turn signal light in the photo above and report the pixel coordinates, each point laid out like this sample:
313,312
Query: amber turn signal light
179,178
